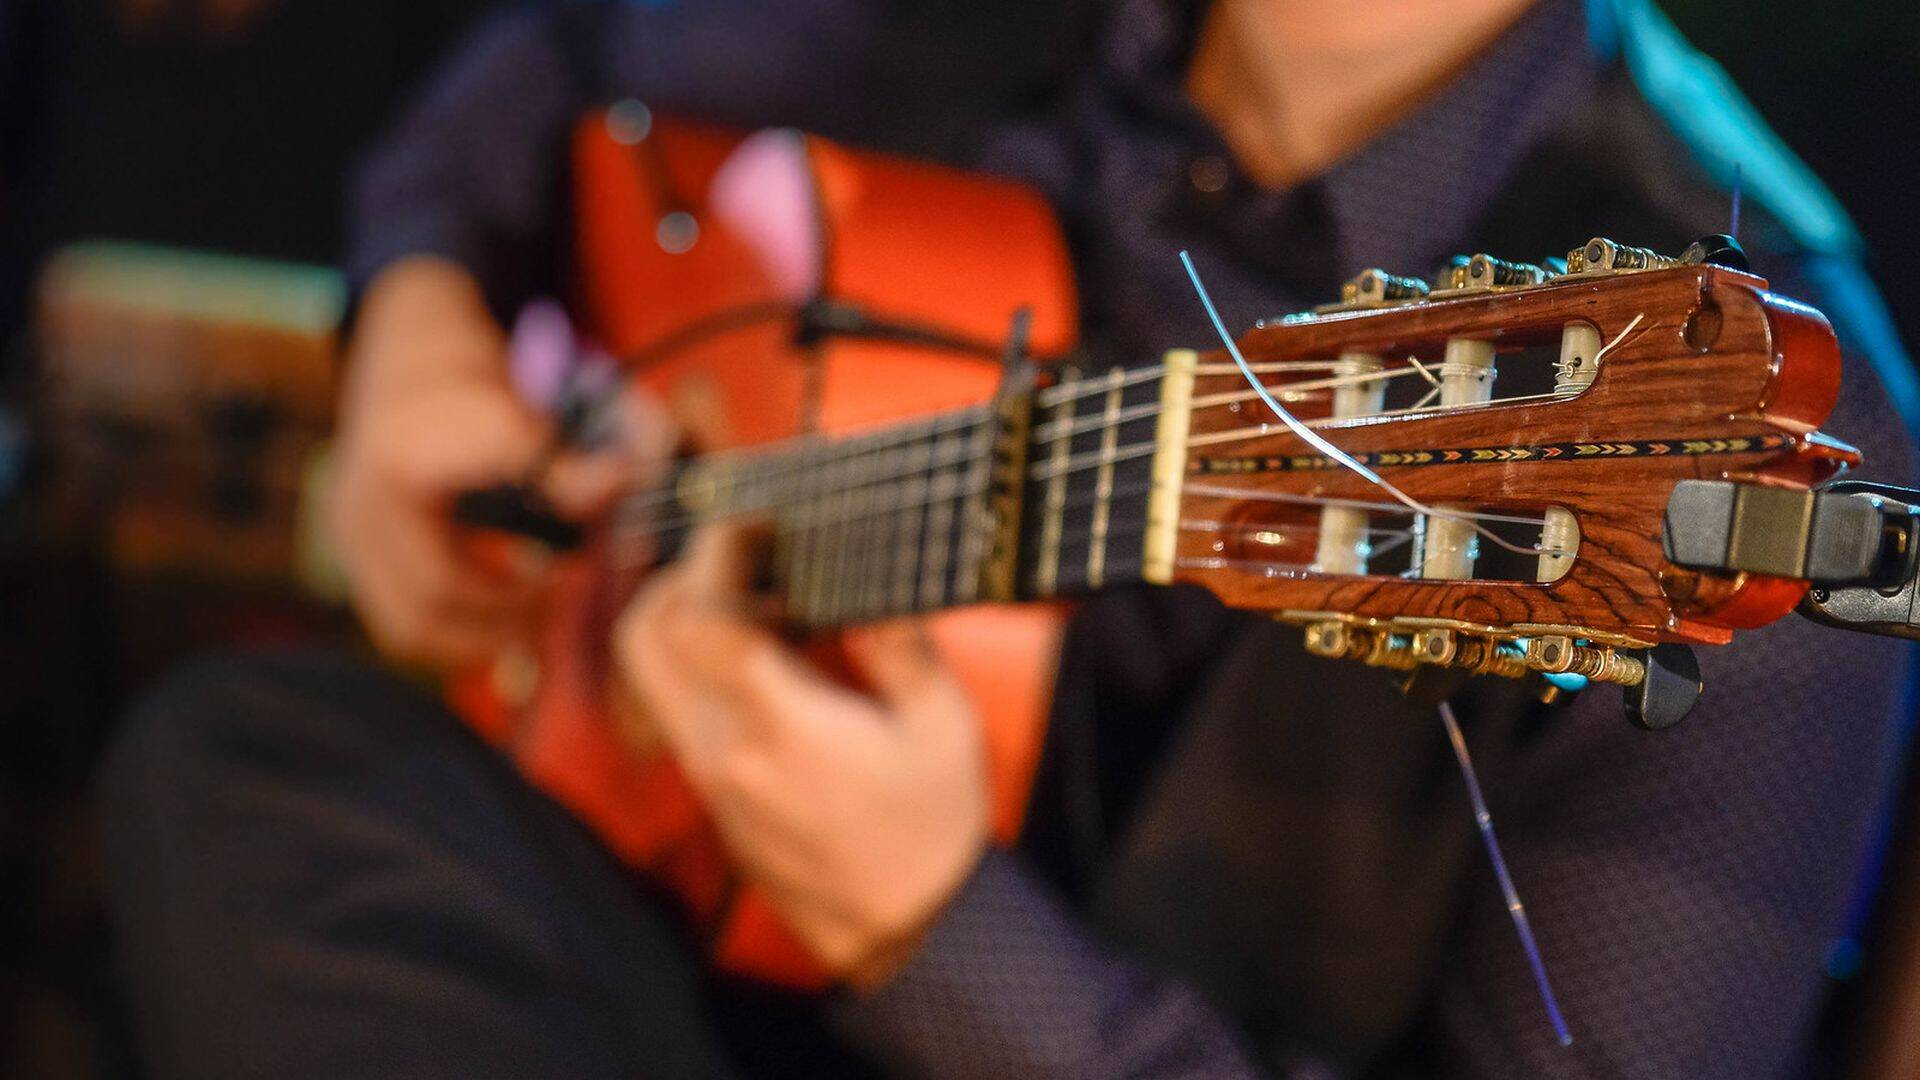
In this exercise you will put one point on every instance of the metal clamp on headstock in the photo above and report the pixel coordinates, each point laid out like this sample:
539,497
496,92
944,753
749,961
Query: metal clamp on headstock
1857,542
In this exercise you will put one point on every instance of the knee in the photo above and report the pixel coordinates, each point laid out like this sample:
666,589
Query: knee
222,722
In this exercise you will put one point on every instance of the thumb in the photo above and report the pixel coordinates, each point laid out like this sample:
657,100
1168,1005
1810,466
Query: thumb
582,486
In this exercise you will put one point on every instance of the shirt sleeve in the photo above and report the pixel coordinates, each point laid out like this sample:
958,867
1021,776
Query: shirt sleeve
470,171
475,170
1007,983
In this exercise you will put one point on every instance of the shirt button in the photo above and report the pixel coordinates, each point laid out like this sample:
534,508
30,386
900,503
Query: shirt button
1209,174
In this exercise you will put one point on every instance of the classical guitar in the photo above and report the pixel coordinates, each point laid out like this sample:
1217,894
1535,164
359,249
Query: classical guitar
1505,437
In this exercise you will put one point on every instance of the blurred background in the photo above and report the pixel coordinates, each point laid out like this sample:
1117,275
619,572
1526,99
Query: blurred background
171,191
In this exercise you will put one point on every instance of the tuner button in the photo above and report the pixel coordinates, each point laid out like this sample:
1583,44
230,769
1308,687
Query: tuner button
1668,691
1716,250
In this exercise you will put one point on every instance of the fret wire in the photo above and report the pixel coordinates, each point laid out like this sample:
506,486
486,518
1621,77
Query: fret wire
907,557
883,538
1120,491
973,537
844,521
933,578
860,552
867,546
1053,520
1103,484
1114,532
799,583
819,521
812,510
840,539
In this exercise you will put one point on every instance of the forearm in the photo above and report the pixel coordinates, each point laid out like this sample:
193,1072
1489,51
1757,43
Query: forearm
1007,983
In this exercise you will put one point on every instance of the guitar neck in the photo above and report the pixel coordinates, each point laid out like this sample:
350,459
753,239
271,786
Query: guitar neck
1037,494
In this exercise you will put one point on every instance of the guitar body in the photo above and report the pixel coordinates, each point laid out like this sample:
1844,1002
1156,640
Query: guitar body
906,241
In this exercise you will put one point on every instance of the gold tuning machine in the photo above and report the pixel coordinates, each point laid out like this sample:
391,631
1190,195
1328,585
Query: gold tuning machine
1661,682
1603,256
1377,288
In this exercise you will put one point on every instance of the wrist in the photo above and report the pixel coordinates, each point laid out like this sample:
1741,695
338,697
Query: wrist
892,951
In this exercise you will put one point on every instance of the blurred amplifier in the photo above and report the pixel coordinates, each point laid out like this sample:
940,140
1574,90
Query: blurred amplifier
185,403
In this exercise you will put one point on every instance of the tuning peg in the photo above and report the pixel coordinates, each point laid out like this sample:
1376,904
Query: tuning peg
1483,271
1716,250
1604,256
1669,689
1373,287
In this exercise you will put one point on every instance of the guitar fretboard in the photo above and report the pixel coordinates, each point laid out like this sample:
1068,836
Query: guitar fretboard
1088,478
985,503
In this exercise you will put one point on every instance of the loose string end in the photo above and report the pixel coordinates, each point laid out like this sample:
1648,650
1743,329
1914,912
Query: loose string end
1320,442
1521,925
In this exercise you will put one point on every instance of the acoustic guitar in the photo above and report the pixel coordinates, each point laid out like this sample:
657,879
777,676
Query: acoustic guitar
875,356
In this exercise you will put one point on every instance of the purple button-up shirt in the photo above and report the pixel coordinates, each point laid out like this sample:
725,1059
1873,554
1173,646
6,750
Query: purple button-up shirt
1242,859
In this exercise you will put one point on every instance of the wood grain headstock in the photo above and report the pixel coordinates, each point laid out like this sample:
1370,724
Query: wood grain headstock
1702,374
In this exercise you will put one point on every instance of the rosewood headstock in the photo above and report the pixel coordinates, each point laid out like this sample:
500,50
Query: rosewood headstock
1549,472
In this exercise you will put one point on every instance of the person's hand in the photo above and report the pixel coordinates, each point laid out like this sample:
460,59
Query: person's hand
429,413
859,814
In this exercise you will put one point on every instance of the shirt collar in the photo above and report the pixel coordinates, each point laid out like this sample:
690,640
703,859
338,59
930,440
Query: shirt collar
1406,198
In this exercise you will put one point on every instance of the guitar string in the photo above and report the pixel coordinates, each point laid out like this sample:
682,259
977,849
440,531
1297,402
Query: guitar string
1090,459
952,461
820,521
776,463
943,484
1319,442
1049,433
798,454
791,455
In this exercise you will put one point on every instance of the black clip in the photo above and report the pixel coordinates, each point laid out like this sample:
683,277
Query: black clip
1857,542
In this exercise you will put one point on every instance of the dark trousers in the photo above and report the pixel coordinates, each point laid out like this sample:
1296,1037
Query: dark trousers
316,871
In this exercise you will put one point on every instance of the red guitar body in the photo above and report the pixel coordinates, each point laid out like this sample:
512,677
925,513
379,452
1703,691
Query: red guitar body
904,240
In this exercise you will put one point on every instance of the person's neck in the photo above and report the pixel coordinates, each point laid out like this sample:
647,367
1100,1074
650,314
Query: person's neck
1296,85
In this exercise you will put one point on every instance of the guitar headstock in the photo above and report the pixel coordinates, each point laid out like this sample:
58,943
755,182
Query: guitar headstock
1543,414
